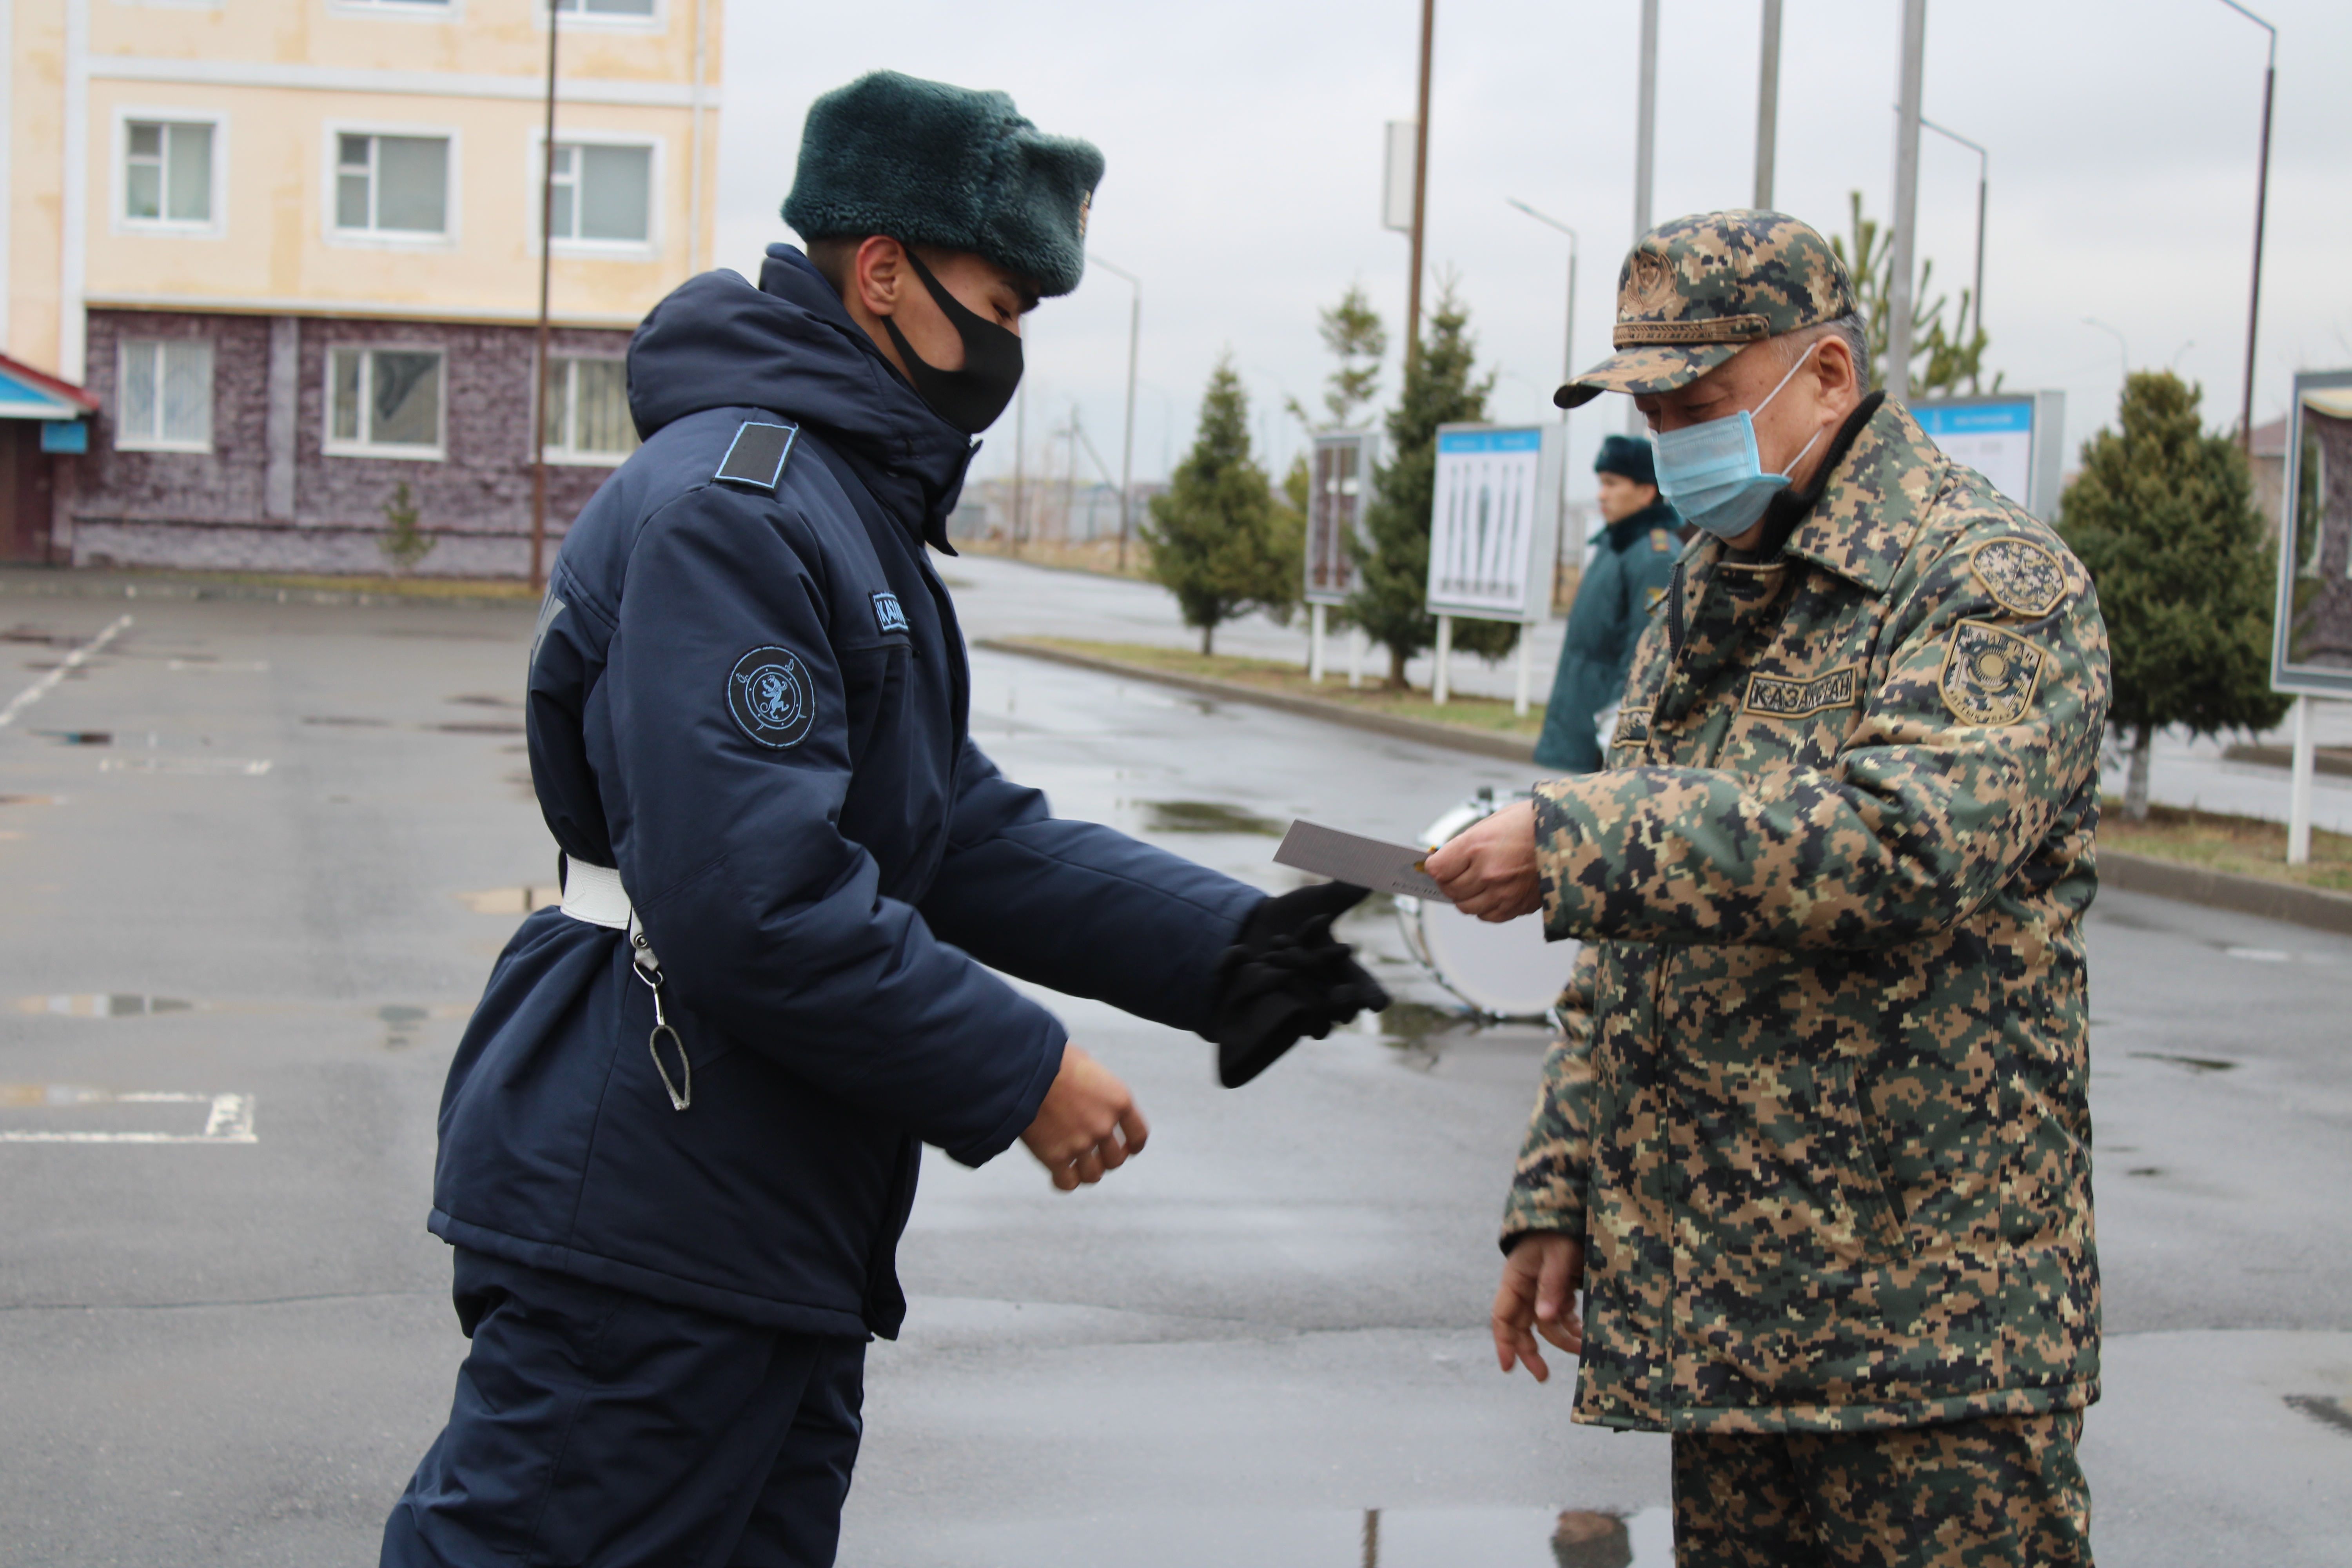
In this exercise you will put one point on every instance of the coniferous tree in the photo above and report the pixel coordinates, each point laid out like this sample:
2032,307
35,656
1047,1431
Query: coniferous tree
1219,539
1353,332
1951,358
2163,517
1439,389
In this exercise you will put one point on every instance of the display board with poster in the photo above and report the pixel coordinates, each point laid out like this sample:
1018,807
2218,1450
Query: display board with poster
1495,521
2015,440
2311,652
1338,489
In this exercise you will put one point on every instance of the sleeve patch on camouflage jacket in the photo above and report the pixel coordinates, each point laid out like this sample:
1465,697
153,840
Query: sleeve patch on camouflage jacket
1989,673
2019,575
1777,696
1632,727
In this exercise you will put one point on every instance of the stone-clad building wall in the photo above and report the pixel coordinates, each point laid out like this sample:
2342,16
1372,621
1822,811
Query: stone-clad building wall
268,496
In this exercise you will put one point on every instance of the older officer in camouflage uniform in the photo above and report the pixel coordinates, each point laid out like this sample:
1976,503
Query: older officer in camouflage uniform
1814,1140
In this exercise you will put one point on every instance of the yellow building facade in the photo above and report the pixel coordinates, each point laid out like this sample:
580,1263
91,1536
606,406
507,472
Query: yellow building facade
292,249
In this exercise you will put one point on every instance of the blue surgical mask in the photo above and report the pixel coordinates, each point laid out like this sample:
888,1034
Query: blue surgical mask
1711,471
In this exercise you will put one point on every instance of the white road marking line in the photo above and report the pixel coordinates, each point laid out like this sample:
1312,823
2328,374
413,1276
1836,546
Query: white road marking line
230,1119
73,661
241,767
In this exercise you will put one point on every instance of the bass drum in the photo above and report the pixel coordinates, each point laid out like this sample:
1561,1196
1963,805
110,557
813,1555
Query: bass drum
1502,972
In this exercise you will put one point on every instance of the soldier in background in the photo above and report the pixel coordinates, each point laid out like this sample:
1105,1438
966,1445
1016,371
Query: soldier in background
1625,577
1815,1139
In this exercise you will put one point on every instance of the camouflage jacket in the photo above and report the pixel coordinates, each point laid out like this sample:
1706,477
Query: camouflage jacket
1818,1109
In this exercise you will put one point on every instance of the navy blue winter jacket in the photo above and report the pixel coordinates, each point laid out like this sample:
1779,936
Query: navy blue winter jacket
754,704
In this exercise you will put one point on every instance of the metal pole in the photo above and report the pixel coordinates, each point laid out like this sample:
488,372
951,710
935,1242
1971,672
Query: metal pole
1906,202
1566,546
1984,180
2123,348
1646,150
2261,203
1134,344
1768,104
2298,809
546,262
1020,455
1437,678
1419,189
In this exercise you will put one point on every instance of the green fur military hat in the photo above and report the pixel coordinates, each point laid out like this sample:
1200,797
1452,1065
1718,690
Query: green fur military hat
928,163
1696,291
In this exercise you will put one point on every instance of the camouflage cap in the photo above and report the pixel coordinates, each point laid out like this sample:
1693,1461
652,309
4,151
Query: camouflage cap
1698,290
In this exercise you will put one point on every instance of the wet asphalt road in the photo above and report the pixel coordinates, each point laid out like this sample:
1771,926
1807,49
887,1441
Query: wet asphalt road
222,1351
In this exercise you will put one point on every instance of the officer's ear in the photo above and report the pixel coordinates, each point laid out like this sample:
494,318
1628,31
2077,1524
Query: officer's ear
878,275
1835,371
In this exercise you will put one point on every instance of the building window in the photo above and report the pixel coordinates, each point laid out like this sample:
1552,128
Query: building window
167,171
166,395
603,194
385,403
588,411
392,184
603,7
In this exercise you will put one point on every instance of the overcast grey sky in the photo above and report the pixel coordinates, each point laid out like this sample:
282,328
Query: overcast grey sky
1243,142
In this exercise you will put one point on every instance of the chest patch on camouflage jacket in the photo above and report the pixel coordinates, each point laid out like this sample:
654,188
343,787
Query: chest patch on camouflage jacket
1780,697
2019,576
1989,673
1632,727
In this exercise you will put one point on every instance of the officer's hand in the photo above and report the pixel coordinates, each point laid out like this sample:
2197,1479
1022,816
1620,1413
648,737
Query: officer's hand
1538,1296
1488,869
1087,1124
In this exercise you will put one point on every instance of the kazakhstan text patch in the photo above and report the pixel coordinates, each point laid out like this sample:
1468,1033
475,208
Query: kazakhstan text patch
1780,697
890,616
1989,673
771,697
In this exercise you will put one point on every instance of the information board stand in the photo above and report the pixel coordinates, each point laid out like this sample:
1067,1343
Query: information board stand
1338,489
1493,528
2015,440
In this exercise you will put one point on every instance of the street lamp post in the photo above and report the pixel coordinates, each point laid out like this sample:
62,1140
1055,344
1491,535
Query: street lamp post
1645,151
1419,189
1567,373
1768,104
2262,201
1901,281
1984,180
2123,349
1127,454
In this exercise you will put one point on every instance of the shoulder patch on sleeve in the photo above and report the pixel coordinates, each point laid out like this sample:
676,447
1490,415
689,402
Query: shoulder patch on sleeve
1661,541
756,457
770,695
2019,576
890,616
1990,674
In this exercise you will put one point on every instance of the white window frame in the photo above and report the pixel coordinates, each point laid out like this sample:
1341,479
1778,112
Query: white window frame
126,442
658,22
400,10
331,162
560,364
328,444
213,228
645,249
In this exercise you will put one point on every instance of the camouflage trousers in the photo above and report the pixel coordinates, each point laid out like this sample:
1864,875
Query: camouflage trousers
2002,1491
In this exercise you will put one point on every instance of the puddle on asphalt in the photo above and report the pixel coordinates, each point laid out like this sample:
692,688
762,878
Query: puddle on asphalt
2259,954
212,767
511,900
44,637
78,737
344,721
2321,1408
102,1004
1367,1538
1205,816
479,727
2194,1064
478,700
400,1023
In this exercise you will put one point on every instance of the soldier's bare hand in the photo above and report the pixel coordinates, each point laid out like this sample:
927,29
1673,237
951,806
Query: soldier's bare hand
1538,1296
1488,869
1086,1125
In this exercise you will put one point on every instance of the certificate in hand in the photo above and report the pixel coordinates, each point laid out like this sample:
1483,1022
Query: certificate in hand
1366,862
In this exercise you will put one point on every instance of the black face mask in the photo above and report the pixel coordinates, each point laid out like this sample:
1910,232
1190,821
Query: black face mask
970,398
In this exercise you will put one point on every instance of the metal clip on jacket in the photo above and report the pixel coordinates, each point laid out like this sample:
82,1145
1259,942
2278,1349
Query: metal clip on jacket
593,894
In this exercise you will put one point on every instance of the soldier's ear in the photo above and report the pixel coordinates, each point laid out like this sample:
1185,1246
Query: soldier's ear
878,274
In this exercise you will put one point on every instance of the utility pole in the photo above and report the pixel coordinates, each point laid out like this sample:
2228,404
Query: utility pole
546,262
1646,157
1768,105
1566,546
1127,454
1906,202
1420,190
1020,455
2261,201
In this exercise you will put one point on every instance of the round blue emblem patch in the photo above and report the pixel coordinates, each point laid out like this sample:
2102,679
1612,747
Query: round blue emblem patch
771,697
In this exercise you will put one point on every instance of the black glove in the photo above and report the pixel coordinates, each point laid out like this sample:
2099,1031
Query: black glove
1286,978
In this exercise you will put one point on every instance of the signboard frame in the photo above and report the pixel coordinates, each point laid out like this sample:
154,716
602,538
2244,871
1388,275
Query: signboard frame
2286,676
1540,496
2045,433
1322,533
